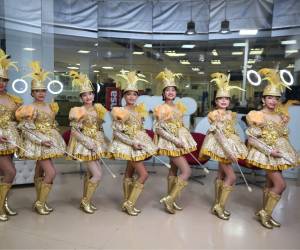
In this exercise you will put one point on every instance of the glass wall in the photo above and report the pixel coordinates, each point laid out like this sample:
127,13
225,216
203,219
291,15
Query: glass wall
59,34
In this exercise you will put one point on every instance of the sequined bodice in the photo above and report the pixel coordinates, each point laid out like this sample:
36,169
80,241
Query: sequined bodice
272,131
228,127
7,115
44,121
175,122
91,125
133,124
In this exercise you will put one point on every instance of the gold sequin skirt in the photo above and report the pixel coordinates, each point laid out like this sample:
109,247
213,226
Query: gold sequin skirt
13,137
83,153
120,150
211,148
38,152
257,159
168,148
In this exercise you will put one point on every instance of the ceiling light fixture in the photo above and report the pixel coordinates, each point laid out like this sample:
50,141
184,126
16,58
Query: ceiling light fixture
214,52
291,51
185,62
288,42
237,53
107,67
248,32
225,23
29,49
239,44
191,26
83,51
215,61
188,46
138,53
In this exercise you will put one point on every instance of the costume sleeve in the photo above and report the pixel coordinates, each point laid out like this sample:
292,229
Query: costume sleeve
119,133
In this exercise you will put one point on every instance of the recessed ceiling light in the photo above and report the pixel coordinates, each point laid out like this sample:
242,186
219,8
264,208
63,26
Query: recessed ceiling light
239,44
172,53
195,69
237,53
138,53
214,52
96,71
148,45
188,46
78,64
291,51
201,73
83,51
251,61
256,51
248,32
185,62
215,61
29,49
96,44
187,86
107,67
72,67
288,42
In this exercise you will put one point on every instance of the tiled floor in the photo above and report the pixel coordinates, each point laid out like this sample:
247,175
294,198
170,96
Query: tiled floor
109,228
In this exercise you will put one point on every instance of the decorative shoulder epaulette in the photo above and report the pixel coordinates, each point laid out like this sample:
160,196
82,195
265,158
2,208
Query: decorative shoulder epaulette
101,111
120,113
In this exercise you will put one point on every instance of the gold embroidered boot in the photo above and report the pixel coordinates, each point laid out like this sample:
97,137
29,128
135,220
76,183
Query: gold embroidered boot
171,182
4,188
8,210
127,187
85,203
39,205
218,186
273,222
134,195
218,209
85,180
265,214
169,200
37,182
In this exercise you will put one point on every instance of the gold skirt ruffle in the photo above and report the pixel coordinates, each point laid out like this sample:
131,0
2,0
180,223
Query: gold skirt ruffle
120,150
13,136
211,148
38,152
81,152
168,148
257,159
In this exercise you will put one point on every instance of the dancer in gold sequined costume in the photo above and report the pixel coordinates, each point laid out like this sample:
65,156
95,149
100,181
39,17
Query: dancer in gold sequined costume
173,139
223,144
9,136
40,136
269,146
130,140
87,141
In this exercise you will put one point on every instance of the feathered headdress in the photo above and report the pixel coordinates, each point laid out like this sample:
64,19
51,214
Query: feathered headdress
222,82
81,82
38,75
275,86
167,78
5,64
129,81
